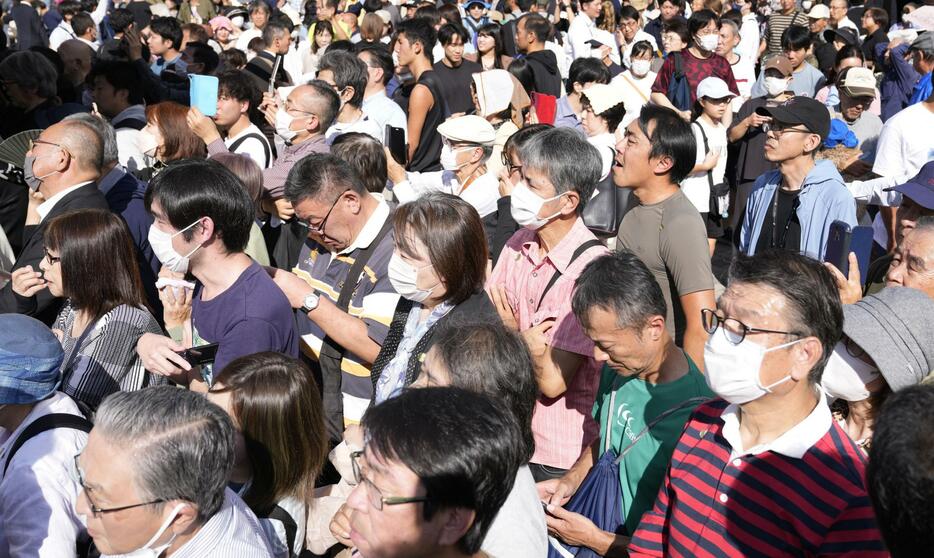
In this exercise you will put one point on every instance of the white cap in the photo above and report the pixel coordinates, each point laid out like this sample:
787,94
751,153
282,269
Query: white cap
603,96
468,129
819,11
713,88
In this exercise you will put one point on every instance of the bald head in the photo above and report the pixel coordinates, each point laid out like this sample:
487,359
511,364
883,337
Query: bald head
76,58
82,141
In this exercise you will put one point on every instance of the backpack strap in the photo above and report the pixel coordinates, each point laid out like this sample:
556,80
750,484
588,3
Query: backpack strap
706,151
43,424
291,528
679,70
262,139
593,243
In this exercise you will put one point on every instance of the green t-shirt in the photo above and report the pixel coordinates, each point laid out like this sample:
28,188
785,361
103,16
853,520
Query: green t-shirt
642,470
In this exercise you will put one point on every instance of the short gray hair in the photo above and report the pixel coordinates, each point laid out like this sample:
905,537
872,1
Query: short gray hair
30,70
734,28
925,224
104,129
567,159
182,444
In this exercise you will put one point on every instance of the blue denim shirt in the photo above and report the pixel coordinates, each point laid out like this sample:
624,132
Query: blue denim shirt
823,199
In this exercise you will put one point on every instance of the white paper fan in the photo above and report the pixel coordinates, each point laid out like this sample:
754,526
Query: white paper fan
13,149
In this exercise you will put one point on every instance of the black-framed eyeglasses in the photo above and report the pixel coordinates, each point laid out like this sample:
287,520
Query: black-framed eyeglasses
734,329
778,128
376,498
507,163
52,259
100,511
319,228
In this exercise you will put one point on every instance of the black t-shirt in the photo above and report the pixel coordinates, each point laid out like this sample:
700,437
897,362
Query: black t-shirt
455,84
785,228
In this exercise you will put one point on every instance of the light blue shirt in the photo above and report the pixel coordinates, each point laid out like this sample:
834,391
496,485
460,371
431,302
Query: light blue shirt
805,82
823,199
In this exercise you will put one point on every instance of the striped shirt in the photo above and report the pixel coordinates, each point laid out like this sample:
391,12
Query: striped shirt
374,301
801,495
561,426
232,532
777,24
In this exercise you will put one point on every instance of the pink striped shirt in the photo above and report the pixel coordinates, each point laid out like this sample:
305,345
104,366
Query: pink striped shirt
562,426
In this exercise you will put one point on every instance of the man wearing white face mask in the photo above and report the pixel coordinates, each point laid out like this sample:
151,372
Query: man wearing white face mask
60,170
300,120
770,439
531,286
887,345
154,480
466,145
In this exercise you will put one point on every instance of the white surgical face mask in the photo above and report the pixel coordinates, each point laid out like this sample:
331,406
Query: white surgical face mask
708,42
525,205
237,21
806,5
845,376
161,243
149,551
448,158
640,68
733,370
775,86
284,125
147,143
404,279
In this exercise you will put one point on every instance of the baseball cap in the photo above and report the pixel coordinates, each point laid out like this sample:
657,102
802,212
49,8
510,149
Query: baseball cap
802,111
603,96
924,42
713,88
844,34
819,11
857,82
920,188
384,15
892,327
780,63
473,2
469,129
30,360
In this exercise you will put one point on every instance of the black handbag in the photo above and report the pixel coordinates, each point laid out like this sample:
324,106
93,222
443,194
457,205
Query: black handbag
605,210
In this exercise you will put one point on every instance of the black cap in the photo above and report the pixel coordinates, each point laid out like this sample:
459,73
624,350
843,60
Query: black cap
846,34
802,111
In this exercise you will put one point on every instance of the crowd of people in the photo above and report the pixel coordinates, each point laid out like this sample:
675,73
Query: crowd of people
405,278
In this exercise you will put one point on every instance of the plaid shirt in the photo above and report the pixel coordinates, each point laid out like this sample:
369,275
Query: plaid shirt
562,426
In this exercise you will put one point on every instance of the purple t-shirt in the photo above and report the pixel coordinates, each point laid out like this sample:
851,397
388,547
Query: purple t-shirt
251,316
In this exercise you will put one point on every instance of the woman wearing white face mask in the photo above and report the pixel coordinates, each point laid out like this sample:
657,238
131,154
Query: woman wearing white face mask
438,266
635,84
887,345
167,138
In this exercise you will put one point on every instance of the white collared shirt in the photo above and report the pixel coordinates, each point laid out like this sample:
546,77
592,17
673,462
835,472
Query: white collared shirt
39,491
383,110
581,30
46,207
793,443
372,227
482,193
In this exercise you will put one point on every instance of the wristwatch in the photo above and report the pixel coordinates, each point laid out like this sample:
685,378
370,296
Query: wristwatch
310,302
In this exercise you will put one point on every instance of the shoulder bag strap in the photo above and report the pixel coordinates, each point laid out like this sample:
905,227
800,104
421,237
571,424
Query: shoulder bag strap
706,151
639,91
43,424
689,403
291,528
262,139
679,71
577,253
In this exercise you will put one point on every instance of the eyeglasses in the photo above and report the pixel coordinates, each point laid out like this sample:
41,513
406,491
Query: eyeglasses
734,329
777,129
319,228
99,511
507,162
52,259
376,498
35,142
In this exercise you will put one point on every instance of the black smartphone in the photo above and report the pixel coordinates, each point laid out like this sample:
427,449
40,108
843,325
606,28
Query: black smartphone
395,140
595,43
200,355
843,239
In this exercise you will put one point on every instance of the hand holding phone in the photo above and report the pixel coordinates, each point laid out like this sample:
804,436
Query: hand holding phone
201,355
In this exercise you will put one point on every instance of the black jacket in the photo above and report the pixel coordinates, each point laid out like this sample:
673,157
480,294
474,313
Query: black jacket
43,306
477,308
544,67
29,29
